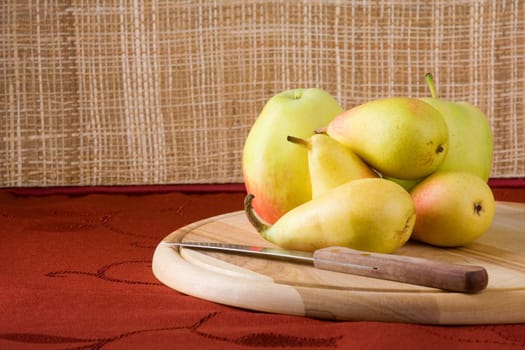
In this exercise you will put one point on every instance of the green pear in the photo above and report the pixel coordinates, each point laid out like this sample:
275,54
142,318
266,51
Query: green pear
453,208
470,135
275,170
330,163
400,137
371,214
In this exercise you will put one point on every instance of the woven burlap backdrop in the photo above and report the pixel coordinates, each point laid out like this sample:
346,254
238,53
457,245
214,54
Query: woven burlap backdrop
157,92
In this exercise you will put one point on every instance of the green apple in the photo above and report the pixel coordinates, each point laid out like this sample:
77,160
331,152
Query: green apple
470,135
452,208
276,171
408,185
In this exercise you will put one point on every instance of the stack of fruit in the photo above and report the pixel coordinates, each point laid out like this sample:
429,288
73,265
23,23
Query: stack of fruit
369,178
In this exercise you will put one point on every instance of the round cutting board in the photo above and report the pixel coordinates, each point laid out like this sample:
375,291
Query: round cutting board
298,289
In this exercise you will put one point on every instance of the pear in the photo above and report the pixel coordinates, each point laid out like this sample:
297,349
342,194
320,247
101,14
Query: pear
371,214
330,163
470,135
401,137
453,208
275,170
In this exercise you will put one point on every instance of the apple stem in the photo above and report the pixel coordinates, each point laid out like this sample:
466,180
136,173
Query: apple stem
431,85
260,226
299,141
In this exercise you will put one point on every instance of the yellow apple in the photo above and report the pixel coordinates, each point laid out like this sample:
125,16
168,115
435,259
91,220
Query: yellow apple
275,170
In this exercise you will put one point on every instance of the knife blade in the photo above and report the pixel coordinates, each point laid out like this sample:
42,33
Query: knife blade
413,270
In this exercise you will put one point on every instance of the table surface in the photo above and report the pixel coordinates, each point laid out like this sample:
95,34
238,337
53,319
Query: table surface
76,274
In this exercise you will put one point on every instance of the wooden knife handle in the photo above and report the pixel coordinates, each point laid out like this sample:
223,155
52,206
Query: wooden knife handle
452,277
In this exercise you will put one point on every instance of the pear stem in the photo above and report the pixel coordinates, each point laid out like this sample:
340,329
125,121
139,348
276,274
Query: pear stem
299,141
260,226
431,85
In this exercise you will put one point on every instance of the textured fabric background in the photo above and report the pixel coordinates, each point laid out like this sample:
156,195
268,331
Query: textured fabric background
155,92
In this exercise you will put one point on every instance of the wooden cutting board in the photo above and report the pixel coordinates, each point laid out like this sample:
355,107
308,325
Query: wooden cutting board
297,289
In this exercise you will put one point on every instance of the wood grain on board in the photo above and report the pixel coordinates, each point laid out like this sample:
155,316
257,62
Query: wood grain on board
298,289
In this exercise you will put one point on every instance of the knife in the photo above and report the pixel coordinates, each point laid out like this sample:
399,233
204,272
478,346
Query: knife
413,270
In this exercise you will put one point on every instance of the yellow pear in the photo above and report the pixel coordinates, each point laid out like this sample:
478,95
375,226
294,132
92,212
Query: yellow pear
401,137
330,163
452,208
372,214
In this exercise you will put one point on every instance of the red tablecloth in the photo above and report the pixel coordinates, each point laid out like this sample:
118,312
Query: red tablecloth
76,274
